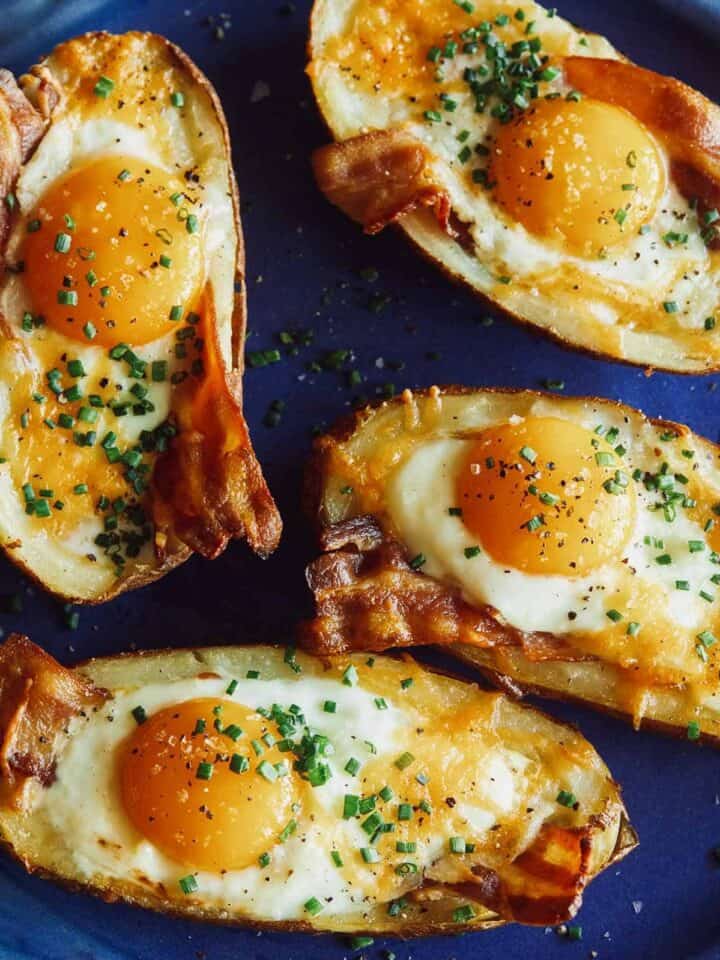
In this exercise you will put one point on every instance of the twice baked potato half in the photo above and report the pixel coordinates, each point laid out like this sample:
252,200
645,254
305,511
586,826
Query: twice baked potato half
530,160
123,445
238,784
568,546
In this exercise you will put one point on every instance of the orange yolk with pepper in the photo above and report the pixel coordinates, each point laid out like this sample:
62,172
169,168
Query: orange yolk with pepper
586,174
180,790
546,496
113,244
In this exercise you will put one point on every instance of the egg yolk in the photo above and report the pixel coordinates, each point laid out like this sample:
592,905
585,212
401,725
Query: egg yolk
584,174
546,496
115,245
180,790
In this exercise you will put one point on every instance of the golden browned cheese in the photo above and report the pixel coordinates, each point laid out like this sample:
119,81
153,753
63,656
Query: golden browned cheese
536,880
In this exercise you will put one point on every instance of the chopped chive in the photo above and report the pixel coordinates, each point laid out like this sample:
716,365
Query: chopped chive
369,854
352,766
418,561
463,914
350,676
239,763
404,760
63,242
267,771
566,799
104,87
288,831
139,714
204,771
187,884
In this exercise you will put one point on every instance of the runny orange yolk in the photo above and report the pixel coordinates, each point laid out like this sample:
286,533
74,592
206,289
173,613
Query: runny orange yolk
546,496
584,174
107,246
222,823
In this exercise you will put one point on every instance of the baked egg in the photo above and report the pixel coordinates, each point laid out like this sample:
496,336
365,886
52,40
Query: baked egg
122,441
531,160
568,544
257,785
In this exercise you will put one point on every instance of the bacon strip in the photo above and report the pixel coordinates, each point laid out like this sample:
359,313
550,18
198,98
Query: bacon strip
378,177
21,129
687,122
367,597
209,488
37,698
542,886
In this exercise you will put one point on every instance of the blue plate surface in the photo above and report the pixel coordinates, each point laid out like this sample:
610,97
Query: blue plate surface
304,262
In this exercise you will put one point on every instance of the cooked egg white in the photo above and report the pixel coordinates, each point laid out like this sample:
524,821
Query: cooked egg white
259,784
570,216
123,252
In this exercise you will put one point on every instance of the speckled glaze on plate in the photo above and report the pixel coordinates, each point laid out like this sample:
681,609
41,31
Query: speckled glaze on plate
306,264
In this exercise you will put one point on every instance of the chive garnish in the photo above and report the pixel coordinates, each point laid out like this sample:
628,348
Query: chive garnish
139,714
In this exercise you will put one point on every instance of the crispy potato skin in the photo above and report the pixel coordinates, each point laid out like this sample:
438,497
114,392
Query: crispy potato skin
557,865
210,487
697,173
367,596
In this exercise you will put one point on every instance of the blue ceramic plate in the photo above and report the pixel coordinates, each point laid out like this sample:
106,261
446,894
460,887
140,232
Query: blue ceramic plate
304,263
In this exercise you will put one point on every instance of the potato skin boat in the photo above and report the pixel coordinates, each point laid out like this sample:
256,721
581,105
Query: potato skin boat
46,696
230,498
384,175
368,596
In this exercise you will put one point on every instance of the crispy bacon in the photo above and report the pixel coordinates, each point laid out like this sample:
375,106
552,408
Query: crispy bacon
21,128
378,177
542,886
37,698
687,122
368,597
209,488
